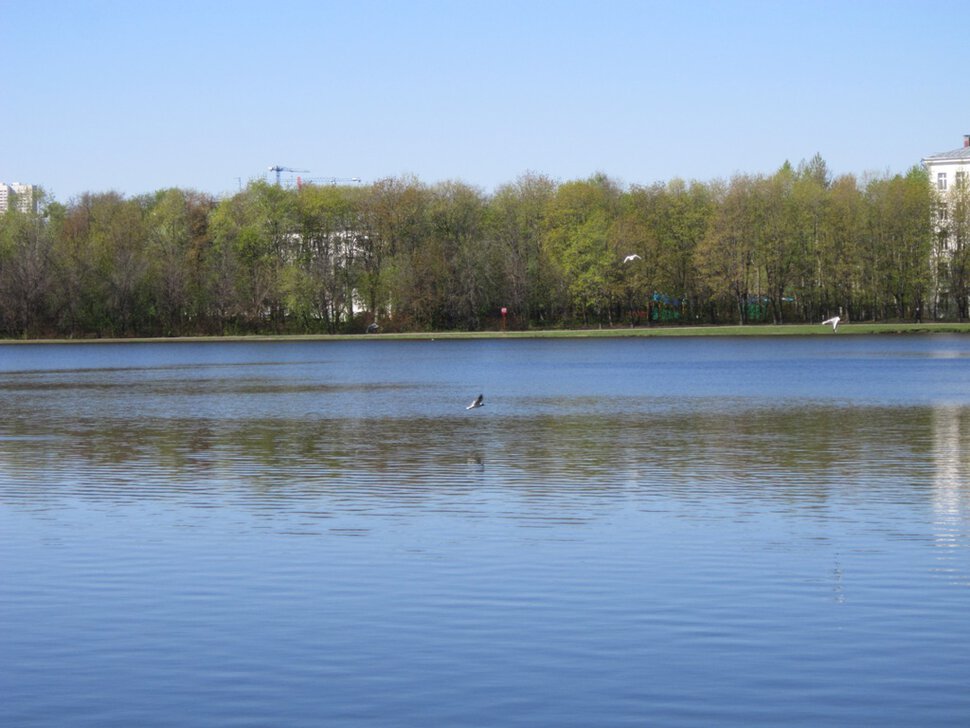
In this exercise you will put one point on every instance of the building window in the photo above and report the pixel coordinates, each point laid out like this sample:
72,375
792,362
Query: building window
941,181
961,179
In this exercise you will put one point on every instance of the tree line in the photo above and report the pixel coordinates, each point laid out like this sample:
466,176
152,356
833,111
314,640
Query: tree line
793,246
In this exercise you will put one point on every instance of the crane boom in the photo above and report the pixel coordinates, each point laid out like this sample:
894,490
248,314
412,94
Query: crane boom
277,168
331,180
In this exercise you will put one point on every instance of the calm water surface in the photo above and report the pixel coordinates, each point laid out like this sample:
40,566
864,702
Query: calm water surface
682,532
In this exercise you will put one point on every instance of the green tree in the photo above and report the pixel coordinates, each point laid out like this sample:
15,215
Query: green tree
900,242
173,259
104,262
675,219
516,220
74,270
725,257
254,232
782,247
951,252
394,223
26,266
810,199
470,266
839,269
635,233
582,245
958,233
320,275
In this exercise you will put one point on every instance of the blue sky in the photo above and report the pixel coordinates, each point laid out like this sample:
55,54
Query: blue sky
138,96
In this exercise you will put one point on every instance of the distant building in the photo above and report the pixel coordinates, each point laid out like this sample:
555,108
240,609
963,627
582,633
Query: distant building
949,168
949,175
948,172
23,196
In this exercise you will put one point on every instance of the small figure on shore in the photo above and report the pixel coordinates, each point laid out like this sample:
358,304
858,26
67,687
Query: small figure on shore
834,321
479,402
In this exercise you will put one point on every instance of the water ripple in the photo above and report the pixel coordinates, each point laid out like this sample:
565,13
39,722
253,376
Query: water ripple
331,539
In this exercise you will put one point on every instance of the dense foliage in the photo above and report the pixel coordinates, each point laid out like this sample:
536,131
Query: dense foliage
793,246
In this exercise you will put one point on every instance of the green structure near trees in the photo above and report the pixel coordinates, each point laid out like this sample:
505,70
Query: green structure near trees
791,247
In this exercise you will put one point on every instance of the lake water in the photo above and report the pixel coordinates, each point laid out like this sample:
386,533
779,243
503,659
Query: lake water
676,532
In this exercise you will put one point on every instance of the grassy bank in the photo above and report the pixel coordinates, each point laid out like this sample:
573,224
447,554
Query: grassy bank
757,330
618,332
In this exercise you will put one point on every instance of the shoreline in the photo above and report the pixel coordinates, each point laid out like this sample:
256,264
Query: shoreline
849,329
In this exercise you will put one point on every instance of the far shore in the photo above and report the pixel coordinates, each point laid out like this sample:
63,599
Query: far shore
849,329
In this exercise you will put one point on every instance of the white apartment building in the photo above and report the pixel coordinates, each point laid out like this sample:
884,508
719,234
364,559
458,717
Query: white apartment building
948,169
23,194
949,175
947,172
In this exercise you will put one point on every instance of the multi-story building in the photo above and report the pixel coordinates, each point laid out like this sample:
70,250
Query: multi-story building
23,195
949,175
949,168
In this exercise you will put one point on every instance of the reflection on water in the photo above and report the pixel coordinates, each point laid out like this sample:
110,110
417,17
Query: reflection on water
675,533
951,491
799,456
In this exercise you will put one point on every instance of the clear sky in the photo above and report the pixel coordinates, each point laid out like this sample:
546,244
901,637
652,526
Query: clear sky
136,96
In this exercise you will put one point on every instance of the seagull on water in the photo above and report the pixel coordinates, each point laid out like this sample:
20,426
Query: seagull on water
633,256
834,321
479,402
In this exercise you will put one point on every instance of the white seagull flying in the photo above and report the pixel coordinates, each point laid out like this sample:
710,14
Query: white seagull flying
633,256
479,402
834,321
